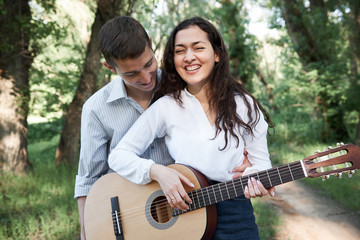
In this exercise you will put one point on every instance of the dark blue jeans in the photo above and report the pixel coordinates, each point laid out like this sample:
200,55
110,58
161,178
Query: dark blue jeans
236,220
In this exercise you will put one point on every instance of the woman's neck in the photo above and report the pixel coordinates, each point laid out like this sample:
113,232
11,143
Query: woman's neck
202,95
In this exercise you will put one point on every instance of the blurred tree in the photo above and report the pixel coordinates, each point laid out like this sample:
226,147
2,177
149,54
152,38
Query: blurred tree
19,34
68,148
352,23
233,20
56,70
319,38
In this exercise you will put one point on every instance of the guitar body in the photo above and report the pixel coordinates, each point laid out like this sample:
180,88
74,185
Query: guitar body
142,212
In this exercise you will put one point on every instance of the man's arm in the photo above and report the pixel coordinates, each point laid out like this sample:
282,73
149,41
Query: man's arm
81,205
93,159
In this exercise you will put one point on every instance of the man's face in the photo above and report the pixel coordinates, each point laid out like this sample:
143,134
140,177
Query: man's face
139,74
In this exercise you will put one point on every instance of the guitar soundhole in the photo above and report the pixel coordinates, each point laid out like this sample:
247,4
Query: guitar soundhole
161,211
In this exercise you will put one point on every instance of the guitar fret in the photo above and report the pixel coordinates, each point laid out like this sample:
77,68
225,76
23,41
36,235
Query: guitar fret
222,199
208,202
242,185
202,194
234,187
193,205
227,190
197,200
269,178
214,194
291,172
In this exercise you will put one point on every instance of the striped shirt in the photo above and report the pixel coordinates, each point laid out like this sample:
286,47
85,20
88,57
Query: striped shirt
106,117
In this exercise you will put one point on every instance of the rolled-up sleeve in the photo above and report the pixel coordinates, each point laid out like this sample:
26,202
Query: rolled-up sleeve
93,154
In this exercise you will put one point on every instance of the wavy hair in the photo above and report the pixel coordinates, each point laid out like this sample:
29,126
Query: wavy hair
222,86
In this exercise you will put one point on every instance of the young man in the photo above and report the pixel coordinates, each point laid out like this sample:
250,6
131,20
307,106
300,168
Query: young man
111,111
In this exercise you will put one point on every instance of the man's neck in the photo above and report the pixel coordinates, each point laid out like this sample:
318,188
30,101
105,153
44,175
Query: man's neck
141,97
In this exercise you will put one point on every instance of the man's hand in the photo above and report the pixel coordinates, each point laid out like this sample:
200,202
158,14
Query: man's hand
239,170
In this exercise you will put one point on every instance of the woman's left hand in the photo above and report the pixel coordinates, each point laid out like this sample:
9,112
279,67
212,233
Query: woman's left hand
256,189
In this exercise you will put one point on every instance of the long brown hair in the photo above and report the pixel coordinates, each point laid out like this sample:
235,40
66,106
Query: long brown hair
222,87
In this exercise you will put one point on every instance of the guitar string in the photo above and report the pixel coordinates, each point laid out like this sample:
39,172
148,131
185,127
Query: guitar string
134,220
294,172
237,183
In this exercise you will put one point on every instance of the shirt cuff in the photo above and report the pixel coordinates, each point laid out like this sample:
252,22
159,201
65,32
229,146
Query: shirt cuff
83,185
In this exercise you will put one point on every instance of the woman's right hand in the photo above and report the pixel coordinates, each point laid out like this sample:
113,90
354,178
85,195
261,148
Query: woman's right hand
170,182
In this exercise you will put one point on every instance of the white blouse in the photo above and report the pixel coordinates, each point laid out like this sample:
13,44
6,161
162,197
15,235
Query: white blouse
190,141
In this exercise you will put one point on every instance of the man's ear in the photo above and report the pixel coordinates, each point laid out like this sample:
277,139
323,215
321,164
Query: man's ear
106,64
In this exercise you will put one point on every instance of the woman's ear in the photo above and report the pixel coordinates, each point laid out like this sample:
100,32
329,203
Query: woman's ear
217,57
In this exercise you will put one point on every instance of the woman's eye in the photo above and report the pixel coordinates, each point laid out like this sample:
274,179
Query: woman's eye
179,51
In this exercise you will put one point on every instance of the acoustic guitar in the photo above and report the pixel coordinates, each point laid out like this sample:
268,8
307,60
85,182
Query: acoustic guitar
118,209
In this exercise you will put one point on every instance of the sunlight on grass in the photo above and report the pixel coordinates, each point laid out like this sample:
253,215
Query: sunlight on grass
39,205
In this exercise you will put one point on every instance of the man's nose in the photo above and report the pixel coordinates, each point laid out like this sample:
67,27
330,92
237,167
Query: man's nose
145,76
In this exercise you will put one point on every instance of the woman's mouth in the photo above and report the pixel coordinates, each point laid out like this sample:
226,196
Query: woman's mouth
192,68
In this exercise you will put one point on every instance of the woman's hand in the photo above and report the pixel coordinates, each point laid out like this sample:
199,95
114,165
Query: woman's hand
256,189
170,182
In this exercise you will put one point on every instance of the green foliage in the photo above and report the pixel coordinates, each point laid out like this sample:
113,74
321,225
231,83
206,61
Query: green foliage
56,70
232,18
325,79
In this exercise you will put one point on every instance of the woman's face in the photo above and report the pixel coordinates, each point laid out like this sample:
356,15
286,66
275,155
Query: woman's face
194,57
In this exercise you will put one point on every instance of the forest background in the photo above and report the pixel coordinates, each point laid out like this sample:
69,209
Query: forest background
303,67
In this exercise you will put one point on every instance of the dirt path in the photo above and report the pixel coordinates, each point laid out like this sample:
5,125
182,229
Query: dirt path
306,215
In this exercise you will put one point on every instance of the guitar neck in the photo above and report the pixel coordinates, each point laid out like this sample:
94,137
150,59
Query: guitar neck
227,190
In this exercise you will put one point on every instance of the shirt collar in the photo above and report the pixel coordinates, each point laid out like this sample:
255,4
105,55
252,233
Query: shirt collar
117,90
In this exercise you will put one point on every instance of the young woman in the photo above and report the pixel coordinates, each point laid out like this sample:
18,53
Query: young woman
207,119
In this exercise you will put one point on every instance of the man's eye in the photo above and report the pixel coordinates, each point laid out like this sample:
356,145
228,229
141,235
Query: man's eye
148,64
129,75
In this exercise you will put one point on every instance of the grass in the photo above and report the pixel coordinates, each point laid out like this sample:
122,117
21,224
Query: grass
267,219
40,204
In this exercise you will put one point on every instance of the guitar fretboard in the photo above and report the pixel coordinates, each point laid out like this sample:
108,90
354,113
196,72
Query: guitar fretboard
219,192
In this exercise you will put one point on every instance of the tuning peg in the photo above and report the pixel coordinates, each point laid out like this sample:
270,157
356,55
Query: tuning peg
339,175
325,177
350,173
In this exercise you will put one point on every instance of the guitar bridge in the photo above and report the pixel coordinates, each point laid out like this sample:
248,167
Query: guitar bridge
115,208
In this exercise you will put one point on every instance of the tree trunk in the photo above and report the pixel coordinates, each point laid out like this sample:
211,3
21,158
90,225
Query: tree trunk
68,147
15,61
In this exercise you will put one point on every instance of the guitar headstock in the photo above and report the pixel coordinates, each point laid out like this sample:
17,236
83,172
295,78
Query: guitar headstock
333,161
